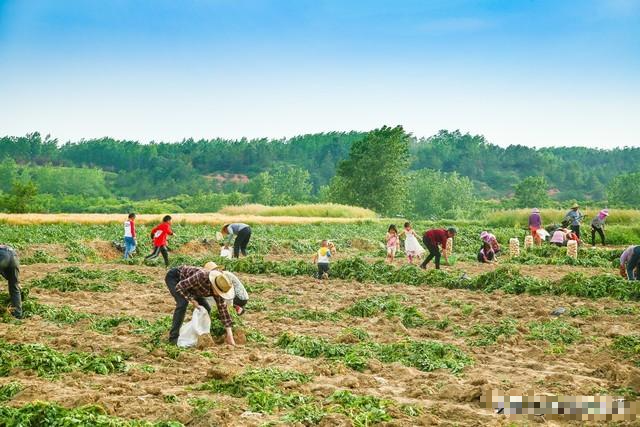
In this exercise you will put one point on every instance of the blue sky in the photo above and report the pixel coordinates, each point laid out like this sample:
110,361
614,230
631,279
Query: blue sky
533,72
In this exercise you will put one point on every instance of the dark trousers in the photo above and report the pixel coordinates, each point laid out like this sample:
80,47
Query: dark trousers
576,229
434,252
171,279
595,230
10,270
634,265
157,250
323,267
241,242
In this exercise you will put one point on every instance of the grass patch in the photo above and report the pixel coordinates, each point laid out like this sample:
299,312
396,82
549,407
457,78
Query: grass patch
306,314
200,405
8,391
628,346
392,306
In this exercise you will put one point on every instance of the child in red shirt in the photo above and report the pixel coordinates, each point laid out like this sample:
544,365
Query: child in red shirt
159,234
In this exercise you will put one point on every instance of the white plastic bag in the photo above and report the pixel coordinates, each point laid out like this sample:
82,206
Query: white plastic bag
225,253
199,324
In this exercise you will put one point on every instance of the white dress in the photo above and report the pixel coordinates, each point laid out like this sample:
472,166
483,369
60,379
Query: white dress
411,245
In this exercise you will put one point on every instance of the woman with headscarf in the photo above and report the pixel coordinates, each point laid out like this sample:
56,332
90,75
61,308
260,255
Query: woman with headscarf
535,223
597,226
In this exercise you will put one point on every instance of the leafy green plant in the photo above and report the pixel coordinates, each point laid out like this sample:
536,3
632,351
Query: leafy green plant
362,410
392,306
53,415
629,346
253,380
200,405
306,314
486,334
553,331
51,363
9,390
582,311
423,355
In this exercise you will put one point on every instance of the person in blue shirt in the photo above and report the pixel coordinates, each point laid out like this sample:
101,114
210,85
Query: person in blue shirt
574,218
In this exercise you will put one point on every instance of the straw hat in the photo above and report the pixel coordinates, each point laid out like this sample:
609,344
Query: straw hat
575,206
213,266
221,284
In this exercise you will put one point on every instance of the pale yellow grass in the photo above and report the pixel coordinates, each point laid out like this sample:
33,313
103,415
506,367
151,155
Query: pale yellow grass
190,218
325,210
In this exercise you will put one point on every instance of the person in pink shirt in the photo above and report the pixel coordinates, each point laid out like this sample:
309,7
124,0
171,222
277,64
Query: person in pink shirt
393,242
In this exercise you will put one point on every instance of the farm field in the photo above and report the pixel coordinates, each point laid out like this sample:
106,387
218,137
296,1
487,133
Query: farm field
376,344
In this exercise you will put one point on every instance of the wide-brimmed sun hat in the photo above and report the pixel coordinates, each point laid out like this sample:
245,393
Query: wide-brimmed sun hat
484,234
535,210
221,284
213,266
575,206
604,212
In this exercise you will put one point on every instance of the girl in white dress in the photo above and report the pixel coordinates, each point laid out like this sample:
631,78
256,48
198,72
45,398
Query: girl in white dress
412,246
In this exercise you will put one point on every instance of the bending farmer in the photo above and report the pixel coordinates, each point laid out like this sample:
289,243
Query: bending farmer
242,233
432,239
630,263
192,285
10,270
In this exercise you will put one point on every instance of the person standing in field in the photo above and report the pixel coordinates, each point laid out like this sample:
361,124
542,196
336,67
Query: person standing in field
160,233
535,224
243,235
129,235
192,285
10,270
322,259
574,218
489,238
597,226
434,238
630,263
393,242
412,247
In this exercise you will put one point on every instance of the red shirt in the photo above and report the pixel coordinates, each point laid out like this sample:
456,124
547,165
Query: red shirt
438,236
160,233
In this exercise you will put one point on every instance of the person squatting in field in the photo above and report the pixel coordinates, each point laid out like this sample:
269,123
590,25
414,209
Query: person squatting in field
630,263
322,258
243,235
433,238
160,233
10,270
489,238
412,247
393,242
129,235
192,285
241,297
597,226
486,254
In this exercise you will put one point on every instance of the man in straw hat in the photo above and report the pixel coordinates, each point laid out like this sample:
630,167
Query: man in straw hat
241,296
574,218
192,285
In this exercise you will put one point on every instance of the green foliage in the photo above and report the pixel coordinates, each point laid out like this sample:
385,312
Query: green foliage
554,331
9,390
306,314
105,325
423,355
283,185
623,190
390,305
532,191
53,415
73,278
488,334
629,346
200,406
374,175
51,363
362,410
437,194
254,380
21,197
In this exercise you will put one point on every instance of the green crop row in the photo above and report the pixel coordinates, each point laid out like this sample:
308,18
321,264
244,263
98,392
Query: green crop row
50,363
423,355
53,415
70,279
